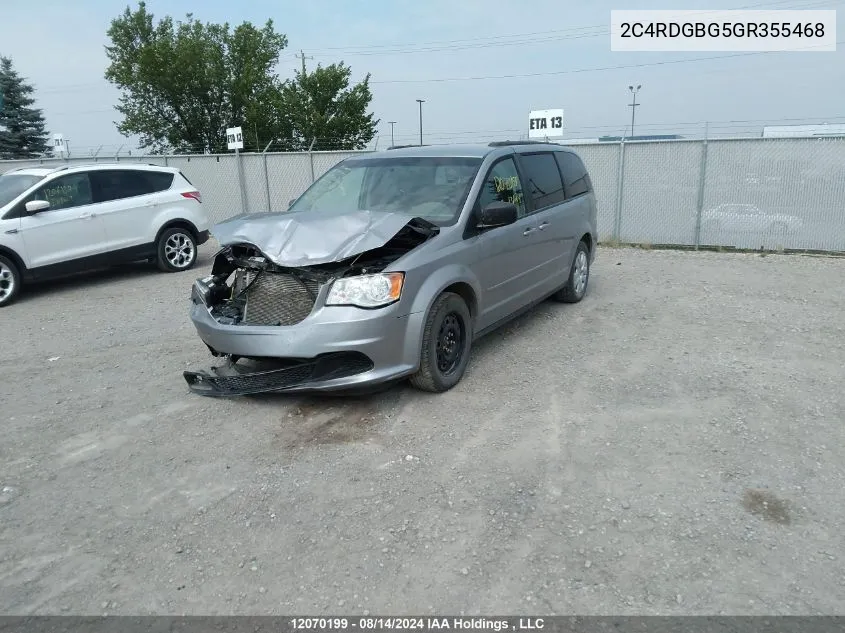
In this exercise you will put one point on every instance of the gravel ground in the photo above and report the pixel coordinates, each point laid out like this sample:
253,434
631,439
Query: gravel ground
672,445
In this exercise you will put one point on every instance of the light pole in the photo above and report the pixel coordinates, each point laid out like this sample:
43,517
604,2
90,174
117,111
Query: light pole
421,101
633,105
392,123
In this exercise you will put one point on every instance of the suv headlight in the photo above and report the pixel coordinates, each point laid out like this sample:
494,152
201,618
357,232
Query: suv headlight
366,291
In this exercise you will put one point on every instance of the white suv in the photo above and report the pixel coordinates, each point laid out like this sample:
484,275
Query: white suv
81,217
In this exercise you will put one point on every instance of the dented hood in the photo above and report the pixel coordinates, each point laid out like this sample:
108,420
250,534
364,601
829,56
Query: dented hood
304,238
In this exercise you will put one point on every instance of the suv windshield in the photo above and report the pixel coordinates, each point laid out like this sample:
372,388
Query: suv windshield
13,185
433,188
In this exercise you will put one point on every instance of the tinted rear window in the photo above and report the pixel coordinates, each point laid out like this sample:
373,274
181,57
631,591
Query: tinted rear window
575,178
159,180
116,184
542,179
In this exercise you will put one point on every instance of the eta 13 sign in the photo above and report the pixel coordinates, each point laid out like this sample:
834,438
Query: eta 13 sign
543,123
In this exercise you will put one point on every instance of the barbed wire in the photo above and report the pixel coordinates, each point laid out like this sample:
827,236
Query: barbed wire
104,152
383,134
383,137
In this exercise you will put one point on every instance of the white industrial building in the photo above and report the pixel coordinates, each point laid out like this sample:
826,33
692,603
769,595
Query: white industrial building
803,131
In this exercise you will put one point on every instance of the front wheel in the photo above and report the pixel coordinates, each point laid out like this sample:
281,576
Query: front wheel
447,338
579,275
10,281
176,250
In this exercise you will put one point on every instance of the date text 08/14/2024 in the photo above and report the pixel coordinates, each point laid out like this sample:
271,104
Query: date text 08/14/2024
417,624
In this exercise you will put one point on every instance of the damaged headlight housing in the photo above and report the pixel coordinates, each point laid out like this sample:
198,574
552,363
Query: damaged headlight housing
207,291
366,291
202,290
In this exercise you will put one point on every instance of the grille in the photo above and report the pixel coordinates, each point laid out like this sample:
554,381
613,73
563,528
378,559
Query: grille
279,299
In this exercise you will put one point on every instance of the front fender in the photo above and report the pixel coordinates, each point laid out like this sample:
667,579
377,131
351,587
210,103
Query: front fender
436,282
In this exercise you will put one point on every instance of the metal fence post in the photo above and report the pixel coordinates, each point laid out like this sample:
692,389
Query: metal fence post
165,161
311,158
620,184
267,176
241,186
702,177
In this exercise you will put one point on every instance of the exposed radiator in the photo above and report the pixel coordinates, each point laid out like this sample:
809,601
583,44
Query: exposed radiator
278,299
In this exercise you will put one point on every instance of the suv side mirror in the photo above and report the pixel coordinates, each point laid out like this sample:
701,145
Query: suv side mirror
497,214
37,206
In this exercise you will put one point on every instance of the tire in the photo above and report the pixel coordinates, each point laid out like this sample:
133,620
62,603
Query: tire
579,276
448,314
176,250
10,281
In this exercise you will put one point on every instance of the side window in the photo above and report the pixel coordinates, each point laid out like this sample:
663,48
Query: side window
116,184
544,183
575,178
503,185
73,190
158,180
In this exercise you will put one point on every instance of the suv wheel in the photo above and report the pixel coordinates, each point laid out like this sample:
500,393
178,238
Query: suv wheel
10,281
579,275
447,338
176,249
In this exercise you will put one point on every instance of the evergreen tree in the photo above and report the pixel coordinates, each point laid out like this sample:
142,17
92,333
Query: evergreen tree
22,130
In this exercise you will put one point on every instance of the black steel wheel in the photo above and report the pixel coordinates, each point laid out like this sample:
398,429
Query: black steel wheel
447,339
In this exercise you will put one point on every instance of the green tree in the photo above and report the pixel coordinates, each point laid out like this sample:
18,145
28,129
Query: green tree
320,106
22,129
183,83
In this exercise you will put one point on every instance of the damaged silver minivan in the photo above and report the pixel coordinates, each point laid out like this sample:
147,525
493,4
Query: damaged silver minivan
390,265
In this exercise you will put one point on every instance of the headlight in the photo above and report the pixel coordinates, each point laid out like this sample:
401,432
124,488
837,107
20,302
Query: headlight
367,291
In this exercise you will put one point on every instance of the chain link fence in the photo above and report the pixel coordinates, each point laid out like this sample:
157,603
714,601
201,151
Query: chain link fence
744,193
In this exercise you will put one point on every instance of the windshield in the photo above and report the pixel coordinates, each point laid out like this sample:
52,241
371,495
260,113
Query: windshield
13,185
433,188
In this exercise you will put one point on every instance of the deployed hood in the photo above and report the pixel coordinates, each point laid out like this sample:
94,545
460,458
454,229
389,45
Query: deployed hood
295,239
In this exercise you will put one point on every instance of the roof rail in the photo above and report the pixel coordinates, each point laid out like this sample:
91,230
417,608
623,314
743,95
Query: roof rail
101,164
510,143
404,146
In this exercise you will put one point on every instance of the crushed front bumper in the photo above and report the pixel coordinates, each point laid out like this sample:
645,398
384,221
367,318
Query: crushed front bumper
333,349
232,380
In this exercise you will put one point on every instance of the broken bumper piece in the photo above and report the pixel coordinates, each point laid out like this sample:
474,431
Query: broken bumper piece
298,375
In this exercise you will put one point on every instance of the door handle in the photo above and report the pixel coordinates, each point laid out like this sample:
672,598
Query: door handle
86,215
529,231
543,226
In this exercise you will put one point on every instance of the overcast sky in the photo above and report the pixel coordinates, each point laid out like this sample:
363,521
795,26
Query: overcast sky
410,47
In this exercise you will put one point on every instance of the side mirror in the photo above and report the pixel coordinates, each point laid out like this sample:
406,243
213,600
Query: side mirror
36,206
497,214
